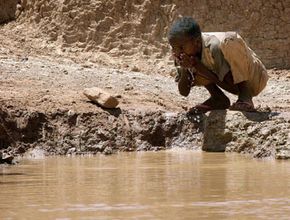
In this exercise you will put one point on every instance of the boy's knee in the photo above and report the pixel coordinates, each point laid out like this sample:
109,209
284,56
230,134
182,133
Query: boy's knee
200,81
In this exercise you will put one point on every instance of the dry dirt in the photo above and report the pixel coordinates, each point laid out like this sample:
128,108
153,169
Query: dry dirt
43,107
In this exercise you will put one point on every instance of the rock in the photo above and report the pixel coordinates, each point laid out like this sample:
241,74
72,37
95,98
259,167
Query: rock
71,150
6,158
108,151
283,154
135,69
101,97
24,59
129,87
283,151
20,150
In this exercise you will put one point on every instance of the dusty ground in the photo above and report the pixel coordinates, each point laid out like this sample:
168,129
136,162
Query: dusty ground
43,107
47,83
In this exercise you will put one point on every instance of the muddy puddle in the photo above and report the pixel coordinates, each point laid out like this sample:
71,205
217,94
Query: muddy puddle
176,184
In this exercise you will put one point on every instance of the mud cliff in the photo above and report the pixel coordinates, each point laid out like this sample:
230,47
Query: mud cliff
138,28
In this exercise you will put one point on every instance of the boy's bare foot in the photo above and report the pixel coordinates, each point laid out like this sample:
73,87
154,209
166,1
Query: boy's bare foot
246,106
213,103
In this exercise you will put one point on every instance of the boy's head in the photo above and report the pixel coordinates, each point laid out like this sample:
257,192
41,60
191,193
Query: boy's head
185,37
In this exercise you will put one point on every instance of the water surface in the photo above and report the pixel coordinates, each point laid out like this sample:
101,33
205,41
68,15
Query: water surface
149,185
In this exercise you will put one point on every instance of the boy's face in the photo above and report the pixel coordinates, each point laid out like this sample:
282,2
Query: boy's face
185,45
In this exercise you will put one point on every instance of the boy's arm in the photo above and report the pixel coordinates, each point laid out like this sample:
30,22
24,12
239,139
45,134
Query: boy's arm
203,71
193,62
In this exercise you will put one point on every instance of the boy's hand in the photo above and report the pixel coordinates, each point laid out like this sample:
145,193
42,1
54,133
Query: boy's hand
186,61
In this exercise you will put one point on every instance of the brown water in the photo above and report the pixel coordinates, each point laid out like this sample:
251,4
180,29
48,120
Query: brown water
153,185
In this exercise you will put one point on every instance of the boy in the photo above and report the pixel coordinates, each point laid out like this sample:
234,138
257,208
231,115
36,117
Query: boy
213,60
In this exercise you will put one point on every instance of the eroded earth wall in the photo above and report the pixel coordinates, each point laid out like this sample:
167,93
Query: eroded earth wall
134,27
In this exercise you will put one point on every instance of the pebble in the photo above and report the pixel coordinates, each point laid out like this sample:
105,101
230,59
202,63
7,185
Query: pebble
128,87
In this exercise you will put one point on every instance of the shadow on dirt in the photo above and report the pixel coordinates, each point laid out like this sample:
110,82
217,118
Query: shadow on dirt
260,116
215,137
115,111
218,127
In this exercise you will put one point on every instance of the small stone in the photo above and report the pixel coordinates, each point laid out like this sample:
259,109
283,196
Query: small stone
6,158
283,155
101,97
87,65
71,150
135,69
129,87
45,98
24,59
283,152
20,150
70,112
108,151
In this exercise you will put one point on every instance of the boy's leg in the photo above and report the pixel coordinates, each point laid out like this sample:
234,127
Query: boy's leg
228,84
217,100
244,102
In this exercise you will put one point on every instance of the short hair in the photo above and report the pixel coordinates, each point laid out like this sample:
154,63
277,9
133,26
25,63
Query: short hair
185,26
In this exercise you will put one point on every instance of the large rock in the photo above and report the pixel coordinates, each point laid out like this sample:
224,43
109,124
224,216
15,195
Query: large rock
101,97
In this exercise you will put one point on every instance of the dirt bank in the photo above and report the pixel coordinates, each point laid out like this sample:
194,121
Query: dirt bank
43,107
56,49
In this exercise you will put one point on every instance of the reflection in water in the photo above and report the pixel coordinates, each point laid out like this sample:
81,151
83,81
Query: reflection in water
152,185
11,174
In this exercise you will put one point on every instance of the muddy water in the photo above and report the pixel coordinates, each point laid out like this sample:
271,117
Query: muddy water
162,185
